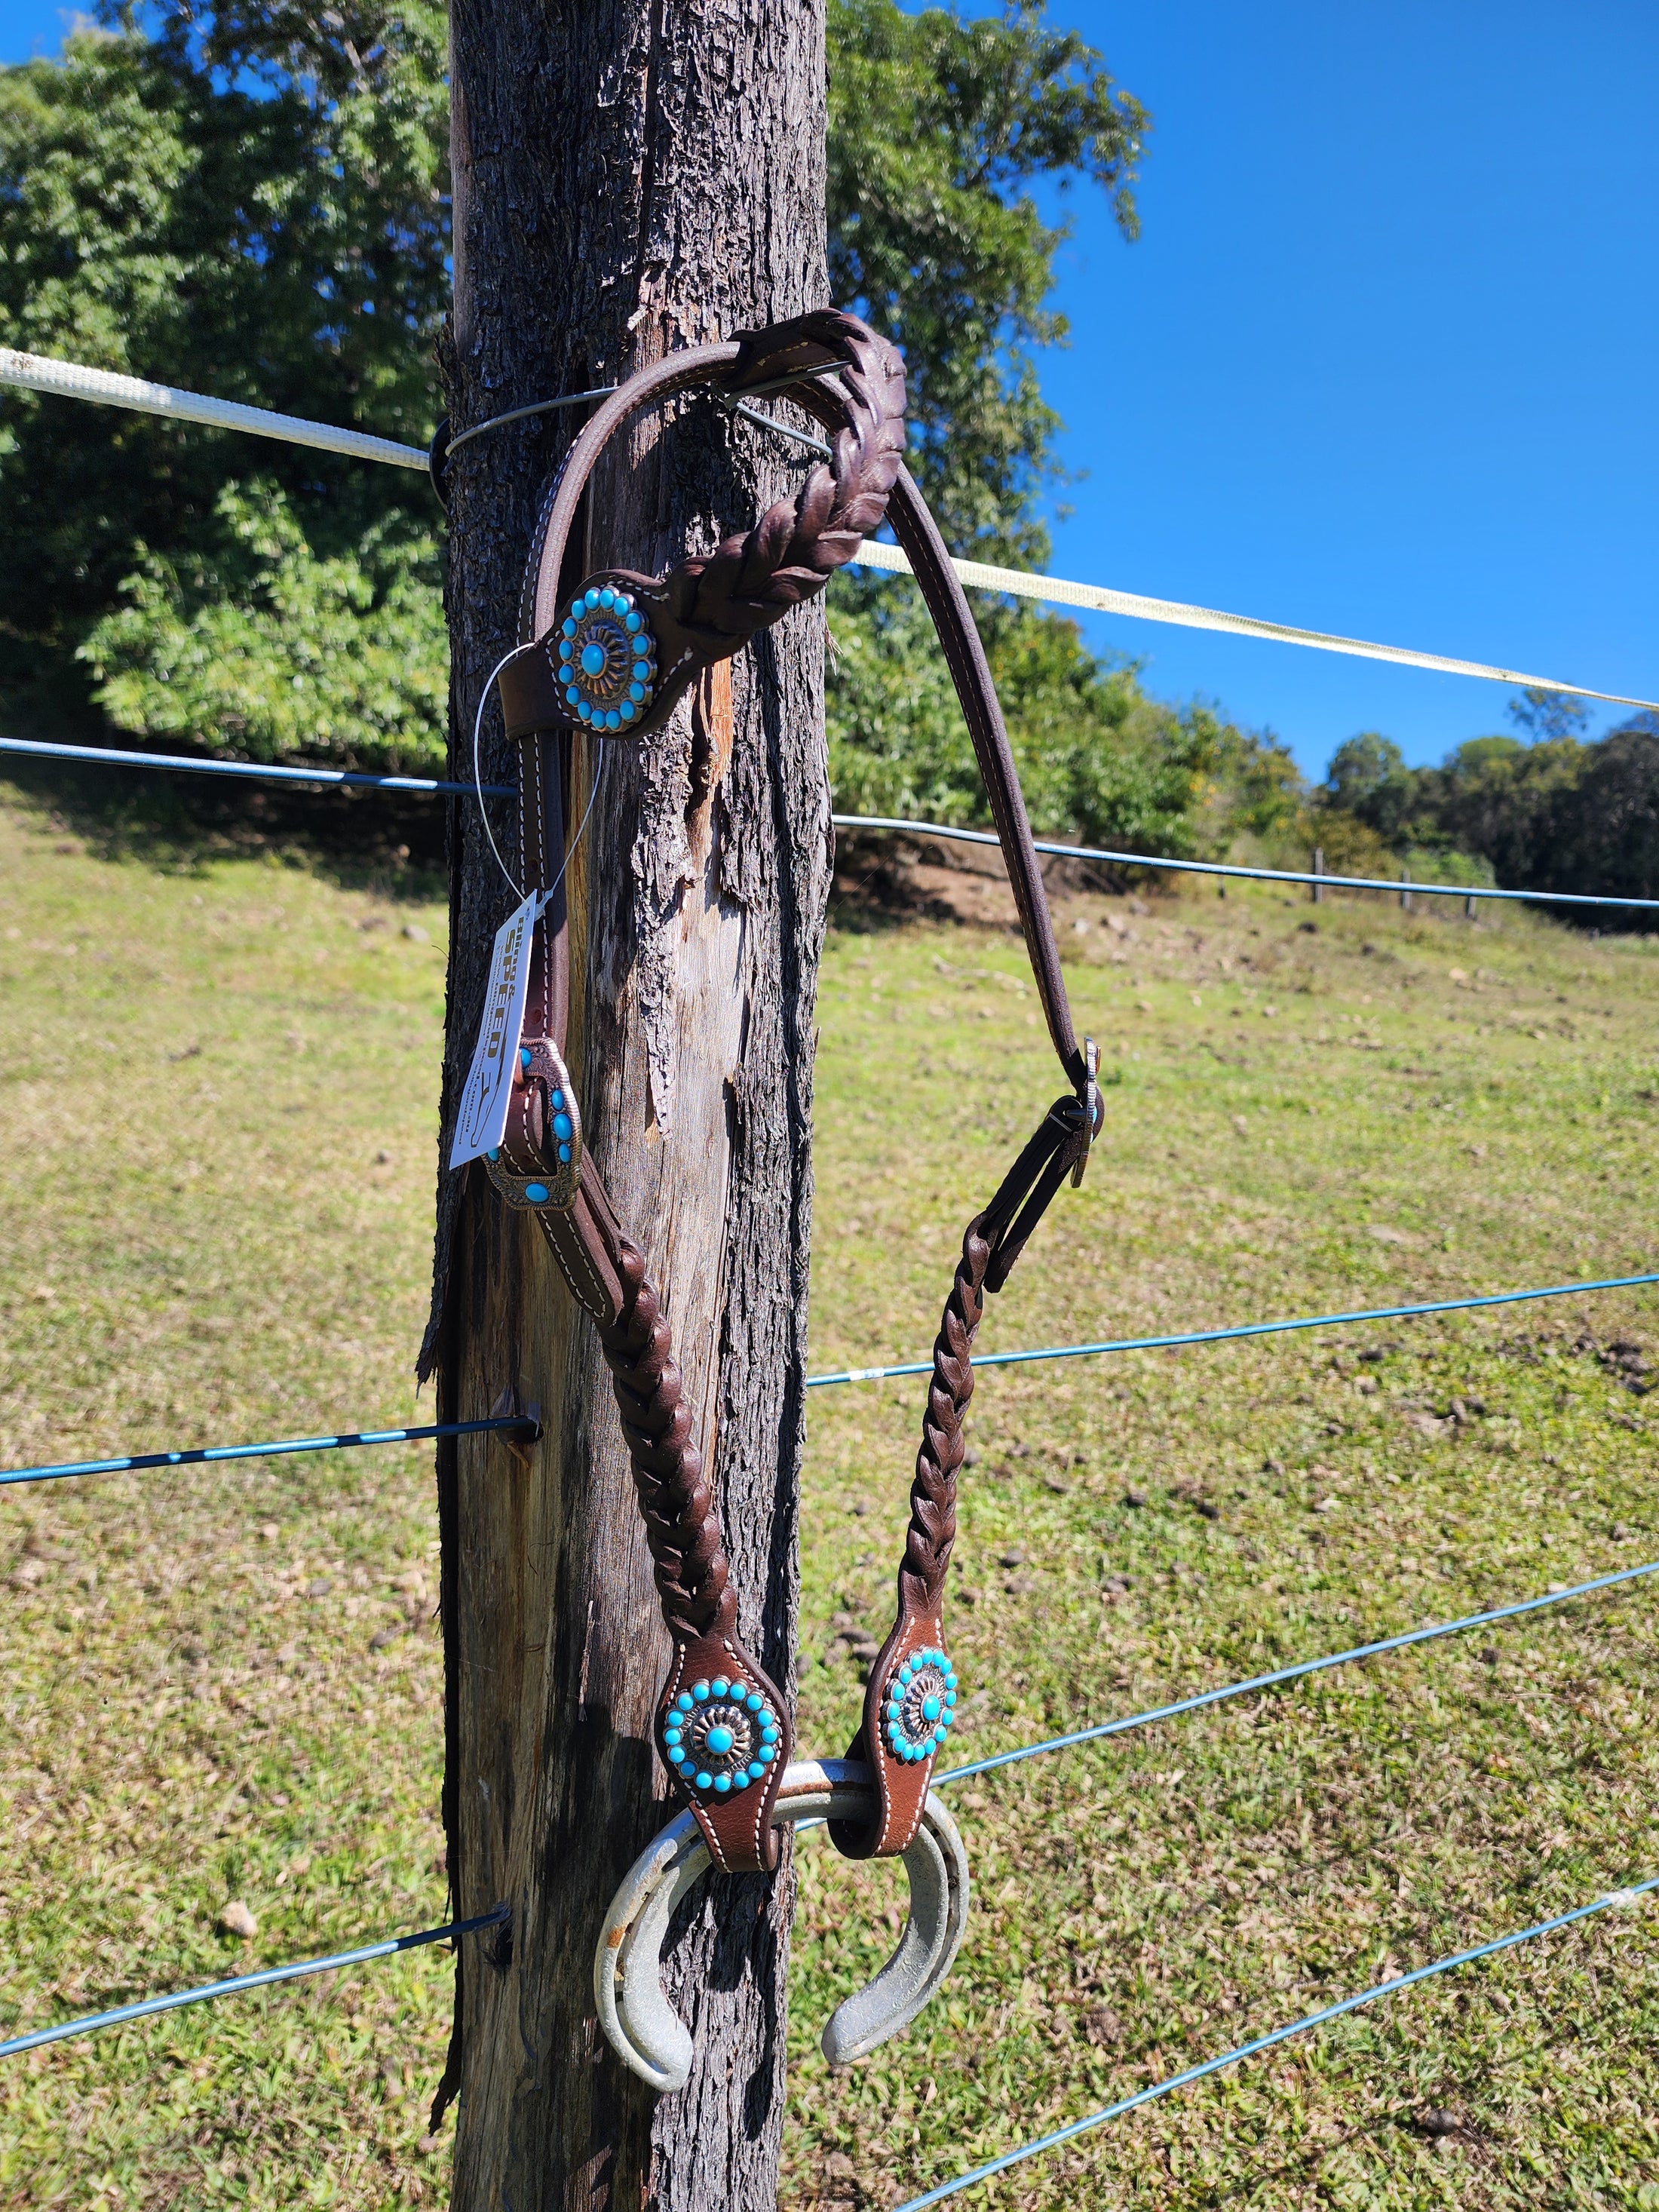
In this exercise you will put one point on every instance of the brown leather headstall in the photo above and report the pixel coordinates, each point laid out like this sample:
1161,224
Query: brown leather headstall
612,655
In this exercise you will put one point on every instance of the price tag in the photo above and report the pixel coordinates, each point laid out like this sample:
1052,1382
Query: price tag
482,1122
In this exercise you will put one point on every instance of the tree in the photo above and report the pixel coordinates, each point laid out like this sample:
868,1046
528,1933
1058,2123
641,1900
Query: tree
1548,714
937,127
253,204
628,178
255,201
1604,821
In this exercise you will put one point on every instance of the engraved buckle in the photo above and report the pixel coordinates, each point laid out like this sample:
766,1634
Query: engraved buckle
555,1185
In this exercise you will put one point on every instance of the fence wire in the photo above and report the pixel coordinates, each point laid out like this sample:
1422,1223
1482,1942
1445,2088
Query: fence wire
73,381
134,1462
1614,1900
1175,1340
1406,886
90,2023
251,771
1292,1673
198,1455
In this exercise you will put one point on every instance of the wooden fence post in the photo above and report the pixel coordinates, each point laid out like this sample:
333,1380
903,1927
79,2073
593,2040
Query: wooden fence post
631,176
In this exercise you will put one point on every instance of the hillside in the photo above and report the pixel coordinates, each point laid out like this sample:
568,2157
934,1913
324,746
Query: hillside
219,1114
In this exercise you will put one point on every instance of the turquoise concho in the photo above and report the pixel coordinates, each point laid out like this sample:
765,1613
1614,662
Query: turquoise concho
921,1705
606,659
720,1736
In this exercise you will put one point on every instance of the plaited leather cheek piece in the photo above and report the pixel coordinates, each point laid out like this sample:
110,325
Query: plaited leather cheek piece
613,655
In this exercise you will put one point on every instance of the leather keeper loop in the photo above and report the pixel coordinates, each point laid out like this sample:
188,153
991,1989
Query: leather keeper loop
531,698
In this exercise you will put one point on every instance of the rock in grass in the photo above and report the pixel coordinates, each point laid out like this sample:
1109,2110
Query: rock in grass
235,1919
1436,2121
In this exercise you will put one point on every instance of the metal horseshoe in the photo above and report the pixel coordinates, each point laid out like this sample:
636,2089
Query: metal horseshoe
641,2025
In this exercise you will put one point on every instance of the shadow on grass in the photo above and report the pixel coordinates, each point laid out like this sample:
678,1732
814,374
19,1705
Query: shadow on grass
392,843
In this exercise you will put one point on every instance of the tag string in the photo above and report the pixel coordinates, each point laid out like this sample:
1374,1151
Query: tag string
477,773
477,785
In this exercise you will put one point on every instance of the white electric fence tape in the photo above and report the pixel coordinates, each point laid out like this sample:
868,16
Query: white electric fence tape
29,372
32,371
1102,600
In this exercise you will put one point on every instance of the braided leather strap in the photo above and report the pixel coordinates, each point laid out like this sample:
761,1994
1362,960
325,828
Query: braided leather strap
722,598
620,652
911,1697
722,1686
891,1743
682,1529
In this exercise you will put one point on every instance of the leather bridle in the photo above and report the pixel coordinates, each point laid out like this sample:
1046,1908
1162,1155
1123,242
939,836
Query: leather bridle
613,654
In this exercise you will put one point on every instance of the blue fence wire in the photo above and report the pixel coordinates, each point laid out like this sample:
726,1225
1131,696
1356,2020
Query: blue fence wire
134,1462
144,2007
1614,1900
1245,1328
1409,886
1293,1673
90,2023
255,771
259,771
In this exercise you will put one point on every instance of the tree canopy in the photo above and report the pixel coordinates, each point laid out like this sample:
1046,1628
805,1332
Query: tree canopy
937,127
250,199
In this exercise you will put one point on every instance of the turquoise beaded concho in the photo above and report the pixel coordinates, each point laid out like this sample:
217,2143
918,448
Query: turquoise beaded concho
921,1703
720,1736
607,660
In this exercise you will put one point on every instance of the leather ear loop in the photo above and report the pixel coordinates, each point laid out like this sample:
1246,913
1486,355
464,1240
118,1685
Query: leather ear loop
918,534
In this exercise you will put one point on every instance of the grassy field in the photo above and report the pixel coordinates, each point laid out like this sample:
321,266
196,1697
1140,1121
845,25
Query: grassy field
219,1094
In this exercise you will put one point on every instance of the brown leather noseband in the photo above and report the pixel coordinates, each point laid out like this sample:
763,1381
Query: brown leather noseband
614,655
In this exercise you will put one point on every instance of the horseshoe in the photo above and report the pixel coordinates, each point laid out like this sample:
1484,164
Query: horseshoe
641,2025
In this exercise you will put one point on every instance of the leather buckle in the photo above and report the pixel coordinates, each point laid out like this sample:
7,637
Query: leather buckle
1093,1113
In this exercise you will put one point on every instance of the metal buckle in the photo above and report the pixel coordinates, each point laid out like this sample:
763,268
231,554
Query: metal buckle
1089,1099
557,1185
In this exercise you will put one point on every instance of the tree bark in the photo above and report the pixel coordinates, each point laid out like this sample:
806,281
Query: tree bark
631,176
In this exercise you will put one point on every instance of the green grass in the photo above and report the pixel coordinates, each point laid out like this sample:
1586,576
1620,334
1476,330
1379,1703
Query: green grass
219,1100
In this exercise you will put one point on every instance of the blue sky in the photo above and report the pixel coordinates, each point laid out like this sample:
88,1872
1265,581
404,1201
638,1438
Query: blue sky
1382,361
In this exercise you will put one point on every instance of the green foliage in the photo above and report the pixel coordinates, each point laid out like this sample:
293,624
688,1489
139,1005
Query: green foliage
1544,714
255,207
1256,790
279,652
1553,814
1098,760
1605,821
253,202
937,125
